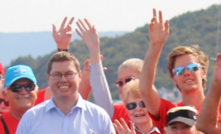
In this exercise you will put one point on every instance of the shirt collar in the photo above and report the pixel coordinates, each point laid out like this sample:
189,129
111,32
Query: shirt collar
154,129
80,104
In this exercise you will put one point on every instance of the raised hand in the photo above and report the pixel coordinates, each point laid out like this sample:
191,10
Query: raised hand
158,31
88,34
63,36
122,128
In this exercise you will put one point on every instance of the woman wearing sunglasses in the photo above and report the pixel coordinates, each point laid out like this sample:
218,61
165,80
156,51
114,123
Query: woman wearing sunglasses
140,122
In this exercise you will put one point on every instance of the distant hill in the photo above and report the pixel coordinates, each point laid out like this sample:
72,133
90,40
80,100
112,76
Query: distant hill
199,27
13,45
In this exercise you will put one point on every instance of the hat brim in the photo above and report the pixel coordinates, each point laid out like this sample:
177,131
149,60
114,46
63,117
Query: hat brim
20,77
186,121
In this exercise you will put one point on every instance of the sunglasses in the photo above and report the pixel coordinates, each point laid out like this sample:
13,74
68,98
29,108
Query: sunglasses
131,106
5,102
121,83
191,67
17,88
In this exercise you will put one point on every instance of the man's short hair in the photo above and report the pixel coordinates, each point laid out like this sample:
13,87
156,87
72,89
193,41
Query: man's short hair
131,89
201,57
63,56
134,63
2,72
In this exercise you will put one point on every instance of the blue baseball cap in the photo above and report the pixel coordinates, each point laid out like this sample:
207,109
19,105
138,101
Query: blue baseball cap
17,72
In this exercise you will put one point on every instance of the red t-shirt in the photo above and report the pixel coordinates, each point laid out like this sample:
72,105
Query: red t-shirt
120,112
10,121
166,105
41,96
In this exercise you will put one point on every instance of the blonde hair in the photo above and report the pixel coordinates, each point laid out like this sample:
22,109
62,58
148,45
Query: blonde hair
201,57
131,88
134,63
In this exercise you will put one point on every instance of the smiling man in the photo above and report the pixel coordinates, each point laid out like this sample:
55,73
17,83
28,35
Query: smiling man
20,90
66,112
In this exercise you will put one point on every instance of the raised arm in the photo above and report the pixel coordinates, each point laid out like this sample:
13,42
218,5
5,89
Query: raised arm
98,80
62,38
207,121
158,33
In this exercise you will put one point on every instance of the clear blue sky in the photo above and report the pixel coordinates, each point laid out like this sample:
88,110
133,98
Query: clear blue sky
106,15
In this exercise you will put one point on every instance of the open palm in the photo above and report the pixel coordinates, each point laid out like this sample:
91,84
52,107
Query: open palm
158,31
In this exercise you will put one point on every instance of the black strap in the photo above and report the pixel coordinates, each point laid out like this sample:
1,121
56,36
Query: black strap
5,126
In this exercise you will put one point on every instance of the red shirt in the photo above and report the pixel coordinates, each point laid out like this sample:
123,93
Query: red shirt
166,105
120,112
41,96
10,121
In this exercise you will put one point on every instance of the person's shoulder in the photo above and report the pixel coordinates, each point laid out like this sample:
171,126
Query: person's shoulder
38,108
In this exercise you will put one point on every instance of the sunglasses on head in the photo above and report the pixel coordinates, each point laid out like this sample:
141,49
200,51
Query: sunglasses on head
191,67
133,105
121,83
16,88
3,101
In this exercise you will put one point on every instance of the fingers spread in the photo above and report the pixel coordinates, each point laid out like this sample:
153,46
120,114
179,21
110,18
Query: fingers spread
53,28
71,20
78,33
63,23
167,26
154,13
88,23
160,17
82,24
80,27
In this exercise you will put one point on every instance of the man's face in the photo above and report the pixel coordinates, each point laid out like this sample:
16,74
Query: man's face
180,128
22,100
66,86
189,80
124,75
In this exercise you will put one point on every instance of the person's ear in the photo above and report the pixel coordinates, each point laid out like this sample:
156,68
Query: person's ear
4,94
174,80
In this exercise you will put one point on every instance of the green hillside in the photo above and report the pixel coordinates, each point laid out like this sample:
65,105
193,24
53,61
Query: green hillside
199,27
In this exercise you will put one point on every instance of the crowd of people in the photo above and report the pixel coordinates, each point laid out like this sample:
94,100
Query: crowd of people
63,106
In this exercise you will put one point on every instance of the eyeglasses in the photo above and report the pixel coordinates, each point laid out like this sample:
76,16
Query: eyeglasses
133,105
57,76
5,102
16,88
121,83
191,67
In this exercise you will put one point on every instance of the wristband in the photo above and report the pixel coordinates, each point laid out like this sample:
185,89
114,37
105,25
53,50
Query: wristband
66,50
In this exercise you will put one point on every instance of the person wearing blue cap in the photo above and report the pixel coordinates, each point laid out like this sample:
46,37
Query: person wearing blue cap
20,91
